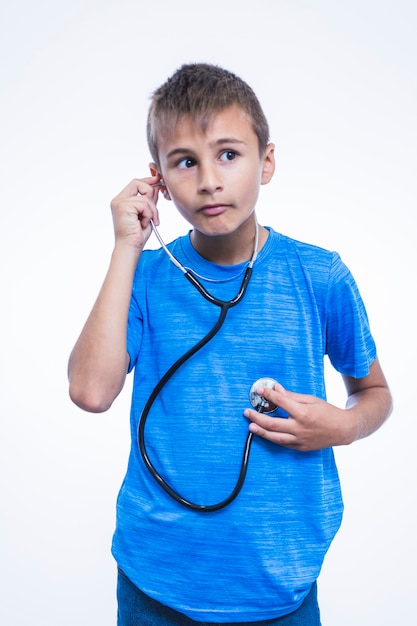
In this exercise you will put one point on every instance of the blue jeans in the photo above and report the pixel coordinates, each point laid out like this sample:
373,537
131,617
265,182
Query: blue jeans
137,609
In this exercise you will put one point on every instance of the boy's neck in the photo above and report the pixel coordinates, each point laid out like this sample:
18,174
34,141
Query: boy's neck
231,249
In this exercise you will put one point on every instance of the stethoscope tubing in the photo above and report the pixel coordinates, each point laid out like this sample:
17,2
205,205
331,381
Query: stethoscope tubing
224,308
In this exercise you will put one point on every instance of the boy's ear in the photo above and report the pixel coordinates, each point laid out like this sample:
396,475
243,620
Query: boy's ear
268,168
155,172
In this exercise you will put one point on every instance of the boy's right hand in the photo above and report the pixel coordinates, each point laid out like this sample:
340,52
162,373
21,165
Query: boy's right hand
132,210
98,363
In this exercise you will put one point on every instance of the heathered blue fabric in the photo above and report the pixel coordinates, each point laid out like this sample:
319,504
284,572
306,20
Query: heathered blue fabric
257,558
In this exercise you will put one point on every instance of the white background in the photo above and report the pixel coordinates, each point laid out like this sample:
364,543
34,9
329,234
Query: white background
338,83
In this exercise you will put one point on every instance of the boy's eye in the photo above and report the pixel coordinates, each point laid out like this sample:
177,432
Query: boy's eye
228,155
186,163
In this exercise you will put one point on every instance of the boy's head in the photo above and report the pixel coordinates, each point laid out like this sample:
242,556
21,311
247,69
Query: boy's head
199,91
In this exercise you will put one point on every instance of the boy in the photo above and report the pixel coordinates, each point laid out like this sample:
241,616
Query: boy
195,541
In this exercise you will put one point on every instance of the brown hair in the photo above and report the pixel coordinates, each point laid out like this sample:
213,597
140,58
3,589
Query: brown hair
199,90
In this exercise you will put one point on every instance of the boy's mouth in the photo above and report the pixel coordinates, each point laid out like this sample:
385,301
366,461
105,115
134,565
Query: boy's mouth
213,209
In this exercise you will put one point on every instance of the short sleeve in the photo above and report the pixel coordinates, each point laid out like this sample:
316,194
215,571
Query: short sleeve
349,342
134,330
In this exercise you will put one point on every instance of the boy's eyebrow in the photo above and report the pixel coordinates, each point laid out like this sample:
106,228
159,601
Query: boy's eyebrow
229,140
219,142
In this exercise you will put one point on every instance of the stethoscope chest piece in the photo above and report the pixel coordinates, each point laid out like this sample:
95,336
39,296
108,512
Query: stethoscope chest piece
258,402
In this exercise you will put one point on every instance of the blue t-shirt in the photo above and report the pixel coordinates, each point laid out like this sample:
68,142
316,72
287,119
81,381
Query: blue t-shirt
257,558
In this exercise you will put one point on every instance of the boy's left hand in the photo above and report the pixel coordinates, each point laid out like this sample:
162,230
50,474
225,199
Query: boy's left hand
313,424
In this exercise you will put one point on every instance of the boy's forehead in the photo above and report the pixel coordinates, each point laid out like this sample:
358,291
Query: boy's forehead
230,120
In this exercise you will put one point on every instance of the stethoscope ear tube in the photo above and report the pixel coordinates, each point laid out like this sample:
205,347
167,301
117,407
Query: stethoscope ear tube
224,307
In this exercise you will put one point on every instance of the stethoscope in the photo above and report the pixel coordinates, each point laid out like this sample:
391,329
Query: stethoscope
258,402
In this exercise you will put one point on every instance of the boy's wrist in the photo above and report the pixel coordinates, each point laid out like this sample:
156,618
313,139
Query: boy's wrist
124,260
124,249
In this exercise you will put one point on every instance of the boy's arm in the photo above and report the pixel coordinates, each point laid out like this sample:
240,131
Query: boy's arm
98,363
369,402
314,424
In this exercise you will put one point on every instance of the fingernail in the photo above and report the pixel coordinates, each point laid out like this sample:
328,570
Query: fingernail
279,387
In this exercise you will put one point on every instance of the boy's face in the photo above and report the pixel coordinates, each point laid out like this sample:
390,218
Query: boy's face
213,175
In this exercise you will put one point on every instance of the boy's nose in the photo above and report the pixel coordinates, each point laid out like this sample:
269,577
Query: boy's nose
209,180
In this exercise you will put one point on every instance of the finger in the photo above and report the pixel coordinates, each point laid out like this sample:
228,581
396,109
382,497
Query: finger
152,190
281,439
141,197
277,430
287,400
129,213
273,424
140,186
149,187
147,211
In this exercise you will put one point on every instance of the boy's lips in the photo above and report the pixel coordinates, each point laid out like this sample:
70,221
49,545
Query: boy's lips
213,209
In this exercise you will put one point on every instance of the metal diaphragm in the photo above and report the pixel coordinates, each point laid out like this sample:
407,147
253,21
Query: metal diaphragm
258,402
